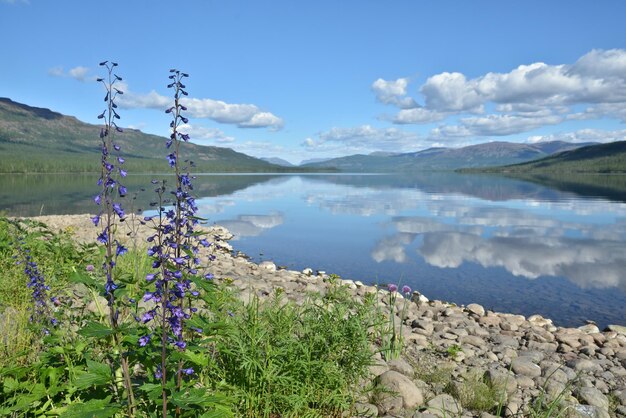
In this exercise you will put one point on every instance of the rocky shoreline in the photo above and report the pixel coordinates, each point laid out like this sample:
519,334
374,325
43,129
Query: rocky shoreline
451,352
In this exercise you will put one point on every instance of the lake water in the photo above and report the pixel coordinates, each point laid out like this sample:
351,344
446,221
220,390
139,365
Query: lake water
510,245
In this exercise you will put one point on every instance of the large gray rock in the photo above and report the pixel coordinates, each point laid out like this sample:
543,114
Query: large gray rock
525,367
620,329
476,309
592,396
401,366
444,406
403,393
584,365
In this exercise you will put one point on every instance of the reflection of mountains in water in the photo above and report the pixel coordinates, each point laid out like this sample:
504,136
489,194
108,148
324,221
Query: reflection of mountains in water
51,194
494,187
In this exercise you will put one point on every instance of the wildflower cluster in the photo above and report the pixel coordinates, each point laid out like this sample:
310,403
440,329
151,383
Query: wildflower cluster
111,172
393,346
42,311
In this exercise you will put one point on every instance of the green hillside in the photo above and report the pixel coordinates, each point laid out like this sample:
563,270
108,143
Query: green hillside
603,158
38,140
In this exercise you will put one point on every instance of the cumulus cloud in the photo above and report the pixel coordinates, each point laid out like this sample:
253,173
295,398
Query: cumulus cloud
241,115
201,134
393,92
418,115
495,125
582,135
365,138
526,98
79,73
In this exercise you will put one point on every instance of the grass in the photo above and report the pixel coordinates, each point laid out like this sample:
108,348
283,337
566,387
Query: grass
266,358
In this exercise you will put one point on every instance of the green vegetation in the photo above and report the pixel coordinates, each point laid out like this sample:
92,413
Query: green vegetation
603,158
36,140
260,359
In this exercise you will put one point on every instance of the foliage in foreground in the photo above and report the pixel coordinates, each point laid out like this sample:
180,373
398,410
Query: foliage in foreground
257,359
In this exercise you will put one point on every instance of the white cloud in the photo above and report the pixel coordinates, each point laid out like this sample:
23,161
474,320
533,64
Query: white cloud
201,134
56,71
79,73
525,98
242,115
418,115
452,92
393,92
152,100
582,135
494,125
365,138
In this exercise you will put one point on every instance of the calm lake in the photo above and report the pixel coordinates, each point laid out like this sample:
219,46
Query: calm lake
557,248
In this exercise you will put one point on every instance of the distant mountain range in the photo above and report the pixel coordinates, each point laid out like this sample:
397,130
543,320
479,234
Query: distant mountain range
35,139
278,161
482,155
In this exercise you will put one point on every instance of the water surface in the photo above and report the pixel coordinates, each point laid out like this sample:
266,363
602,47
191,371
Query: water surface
510,245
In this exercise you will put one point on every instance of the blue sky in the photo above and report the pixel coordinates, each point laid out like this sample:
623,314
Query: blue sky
301,80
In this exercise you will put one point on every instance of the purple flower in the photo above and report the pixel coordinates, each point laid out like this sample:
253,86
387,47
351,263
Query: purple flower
97,199
90,267
96,220
147,317
122,190
118,209
171,159
120,160
157,373
393,288
120,250
180,344
103,237
406,289
143,341
189,371
150,277
123,173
